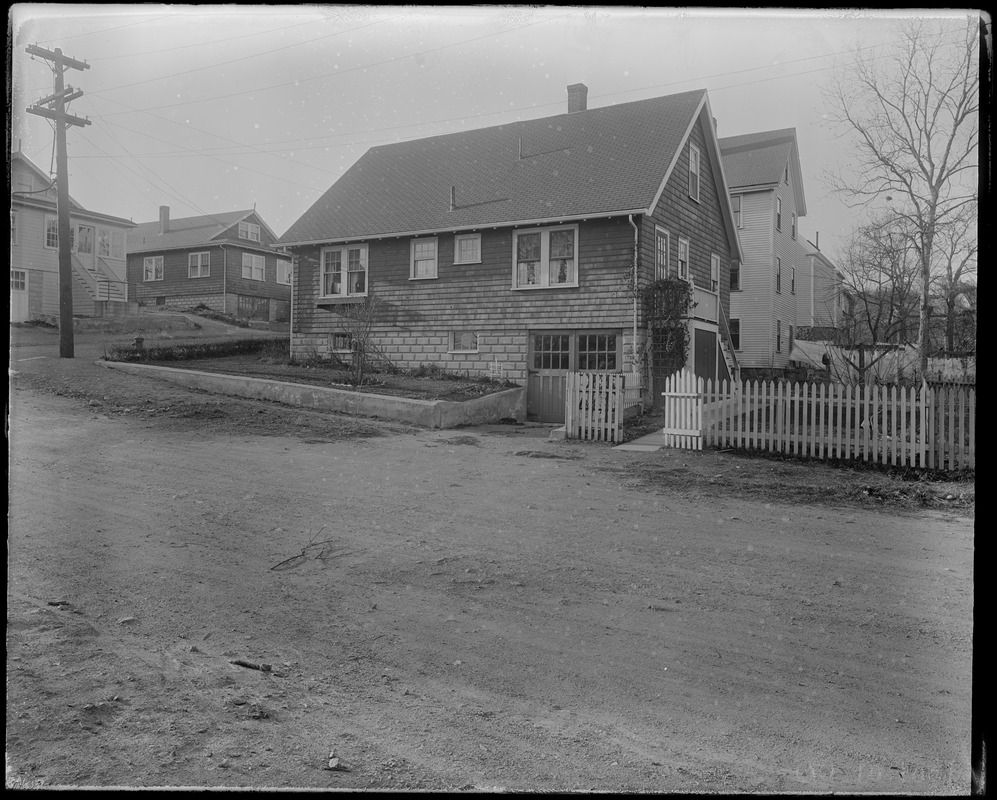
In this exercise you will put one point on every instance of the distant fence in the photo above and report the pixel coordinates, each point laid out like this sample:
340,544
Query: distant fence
933,428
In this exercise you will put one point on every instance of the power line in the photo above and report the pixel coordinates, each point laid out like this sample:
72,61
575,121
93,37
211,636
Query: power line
300,81
244,58
105,30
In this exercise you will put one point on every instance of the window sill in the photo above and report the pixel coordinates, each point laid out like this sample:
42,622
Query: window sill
535,288
463,352
465,263
333,300
424,278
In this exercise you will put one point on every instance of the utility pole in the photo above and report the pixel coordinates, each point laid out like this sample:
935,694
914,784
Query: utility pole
54,107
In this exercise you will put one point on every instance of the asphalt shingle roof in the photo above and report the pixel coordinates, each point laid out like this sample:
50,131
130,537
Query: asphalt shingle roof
183,232
595,162
754,159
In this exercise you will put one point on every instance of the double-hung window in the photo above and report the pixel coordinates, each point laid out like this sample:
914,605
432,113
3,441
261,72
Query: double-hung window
253,267
684,259
198,265
792,280
467,248
735,333
735,203
778,275
13,227
735,275
778,213
344,271
423,258
694,167
152,268
249,230
283,271
714,272
662,245
51,232
793,225
545,257
778,335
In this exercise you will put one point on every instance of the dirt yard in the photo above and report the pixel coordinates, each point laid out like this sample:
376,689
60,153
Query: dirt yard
212,592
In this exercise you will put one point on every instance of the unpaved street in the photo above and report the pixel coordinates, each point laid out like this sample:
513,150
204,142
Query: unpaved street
460,609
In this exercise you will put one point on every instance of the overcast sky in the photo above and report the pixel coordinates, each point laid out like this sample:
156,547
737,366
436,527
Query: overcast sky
209,109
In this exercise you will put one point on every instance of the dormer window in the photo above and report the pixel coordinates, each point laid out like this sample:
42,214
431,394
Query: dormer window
248,230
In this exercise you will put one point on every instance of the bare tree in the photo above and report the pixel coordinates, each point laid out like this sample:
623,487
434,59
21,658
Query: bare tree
957,261
912,116
358,321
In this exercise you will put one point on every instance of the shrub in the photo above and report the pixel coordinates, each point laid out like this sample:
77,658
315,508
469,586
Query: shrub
184,352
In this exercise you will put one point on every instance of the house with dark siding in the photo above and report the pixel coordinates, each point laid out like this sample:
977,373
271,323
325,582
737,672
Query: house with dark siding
97,247
507,250
226,262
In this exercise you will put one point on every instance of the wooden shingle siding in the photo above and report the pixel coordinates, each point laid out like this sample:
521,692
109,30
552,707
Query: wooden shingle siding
702,223
417,315
753,304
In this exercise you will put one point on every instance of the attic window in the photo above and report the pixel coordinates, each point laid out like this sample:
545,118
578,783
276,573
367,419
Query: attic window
248,230
693,172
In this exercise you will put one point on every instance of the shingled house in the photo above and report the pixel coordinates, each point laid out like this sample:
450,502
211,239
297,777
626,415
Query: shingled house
510,246
223,261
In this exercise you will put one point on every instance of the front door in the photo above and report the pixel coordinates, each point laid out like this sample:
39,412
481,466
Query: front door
84,246
553,353
18,295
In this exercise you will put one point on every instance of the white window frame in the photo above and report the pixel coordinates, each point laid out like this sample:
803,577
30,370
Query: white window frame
660,232
254,259
684,245
338,347
435,269
153,268
201,269
695,169
793,223
792,280
249,230
103,236
454,344
285,269
344,270
13,228
735,344
544,260
738,201
714,273
778,213
466,237
734,272
778,275
18,280
778,335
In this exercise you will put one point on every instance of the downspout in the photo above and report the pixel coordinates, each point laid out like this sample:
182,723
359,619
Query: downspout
633,350
290,338
224,279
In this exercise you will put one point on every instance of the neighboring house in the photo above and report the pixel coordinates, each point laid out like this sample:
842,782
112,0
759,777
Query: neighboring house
98,251
223,261
507,249
766,185
819,290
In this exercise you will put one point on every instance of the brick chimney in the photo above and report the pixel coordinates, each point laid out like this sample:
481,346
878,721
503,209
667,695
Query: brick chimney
577,97
164,219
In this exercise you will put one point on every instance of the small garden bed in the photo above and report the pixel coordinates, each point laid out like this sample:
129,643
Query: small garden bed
267,358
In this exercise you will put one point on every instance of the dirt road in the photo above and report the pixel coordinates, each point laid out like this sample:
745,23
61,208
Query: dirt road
456,610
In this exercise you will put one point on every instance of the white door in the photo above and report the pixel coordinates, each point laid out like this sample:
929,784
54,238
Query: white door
84,246
18,295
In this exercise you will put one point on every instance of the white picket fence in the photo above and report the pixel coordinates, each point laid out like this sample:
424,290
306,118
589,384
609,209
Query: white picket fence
593,406
933,428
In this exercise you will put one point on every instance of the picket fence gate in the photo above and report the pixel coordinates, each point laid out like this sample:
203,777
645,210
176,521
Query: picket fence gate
593,406
933,428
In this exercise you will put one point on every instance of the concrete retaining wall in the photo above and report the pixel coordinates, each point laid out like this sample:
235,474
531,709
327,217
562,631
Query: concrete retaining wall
508,404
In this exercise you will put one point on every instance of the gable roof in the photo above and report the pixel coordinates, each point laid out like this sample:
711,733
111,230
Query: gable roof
40,198
190,232
759,159
600,162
